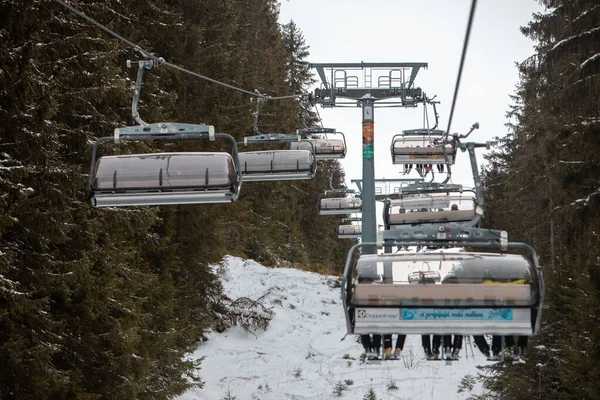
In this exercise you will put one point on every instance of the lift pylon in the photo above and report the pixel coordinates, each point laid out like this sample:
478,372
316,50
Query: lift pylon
364,84
393,80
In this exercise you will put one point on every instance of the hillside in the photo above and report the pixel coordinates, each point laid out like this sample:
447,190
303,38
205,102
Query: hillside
301,354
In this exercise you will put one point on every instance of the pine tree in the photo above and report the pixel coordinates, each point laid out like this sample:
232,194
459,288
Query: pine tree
80,296
542,186
298,70
106,302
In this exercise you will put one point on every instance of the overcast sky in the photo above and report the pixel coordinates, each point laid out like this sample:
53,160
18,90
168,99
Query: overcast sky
429,31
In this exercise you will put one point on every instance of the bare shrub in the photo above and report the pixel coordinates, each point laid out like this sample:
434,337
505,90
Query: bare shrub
410,360
246,313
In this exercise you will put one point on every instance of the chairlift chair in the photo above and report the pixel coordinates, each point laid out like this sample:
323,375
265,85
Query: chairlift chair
422,146
337,205
481,293
165,178
325,148
424,276
432,208
350,231
276,165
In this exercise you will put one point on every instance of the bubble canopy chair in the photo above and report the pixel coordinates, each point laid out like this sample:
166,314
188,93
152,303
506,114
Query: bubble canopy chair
276,165
349,231
480,293
327,143
165,178
343,202
450,208
422,146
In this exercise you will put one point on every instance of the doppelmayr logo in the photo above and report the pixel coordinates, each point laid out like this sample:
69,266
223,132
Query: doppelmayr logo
378,314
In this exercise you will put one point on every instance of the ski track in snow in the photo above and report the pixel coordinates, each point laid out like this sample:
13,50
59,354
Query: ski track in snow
301,355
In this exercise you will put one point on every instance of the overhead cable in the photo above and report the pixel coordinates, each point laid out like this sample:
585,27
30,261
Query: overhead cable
462,62
160,60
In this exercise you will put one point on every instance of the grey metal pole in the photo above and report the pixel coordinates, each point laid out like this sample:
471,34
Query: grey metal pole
475,169
369,218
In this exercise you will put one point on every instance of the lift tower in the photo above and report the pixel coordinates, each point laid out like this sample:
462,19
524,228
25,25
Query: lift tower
364,84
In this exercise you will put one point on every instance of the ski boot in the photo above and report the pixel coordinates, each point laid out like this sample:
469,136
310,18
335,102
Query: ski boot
374,354
388,354
455,354
447,353
370,354
428,354
518,356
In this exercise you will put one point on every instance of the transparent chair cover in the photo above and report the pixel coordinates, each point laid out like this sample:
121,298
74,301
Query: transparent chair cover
273,161
467,280
164,171
419,148
351,230
340,205
322,147
431,209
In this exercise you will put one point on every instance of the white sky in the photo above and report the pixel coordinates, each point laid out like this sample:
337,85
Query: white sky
429,31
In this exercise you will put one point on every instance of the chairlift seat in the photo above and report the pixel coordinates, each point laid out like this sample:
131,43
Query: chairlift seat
276,165
164,178
340,206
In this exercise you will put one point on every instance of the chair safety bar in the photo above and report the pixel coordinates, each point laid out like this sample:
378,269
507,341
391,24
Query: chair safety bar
423,132
162,129
271,138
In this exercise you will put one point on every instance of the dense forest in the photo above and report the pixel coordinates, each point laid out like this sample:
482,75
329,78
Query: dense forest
543,186
105,303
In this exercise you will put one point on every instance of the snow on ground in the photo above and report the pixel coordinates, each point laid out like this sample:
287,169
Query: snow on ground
301,355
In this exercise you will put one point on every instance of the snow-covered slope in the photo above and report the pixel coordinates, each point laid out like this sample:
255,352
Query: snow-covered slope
301,354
